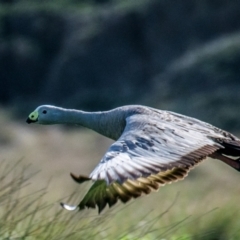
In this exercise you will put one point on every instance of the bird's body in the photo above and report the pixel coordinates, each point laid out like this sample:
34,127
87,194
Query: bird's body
152,148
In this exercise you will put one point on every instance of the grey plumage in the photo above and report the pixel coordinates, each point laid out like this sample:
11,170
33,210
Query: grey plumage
152,147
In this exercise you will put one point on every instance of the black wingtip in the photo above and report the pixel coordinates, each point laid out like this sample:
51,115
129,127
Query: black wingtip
80,178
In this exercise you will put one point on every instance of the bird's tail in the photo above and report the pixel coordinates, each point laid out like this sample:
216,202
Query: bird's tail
230,154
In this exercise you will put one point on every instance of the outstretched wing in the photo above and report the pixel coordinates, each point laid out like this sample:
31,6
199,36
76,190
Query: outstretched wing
148,146
148,154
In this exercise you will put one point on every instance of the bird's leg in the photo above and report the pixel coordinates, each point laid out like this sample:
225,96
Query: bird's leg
231,162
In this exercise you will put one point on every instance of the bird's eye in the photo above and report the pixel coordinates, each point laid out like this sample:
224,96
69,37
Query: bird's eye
44,111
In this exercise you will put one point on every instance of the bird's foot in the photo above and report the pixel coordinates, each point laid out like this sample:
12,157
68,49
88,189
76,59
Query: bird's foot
234,163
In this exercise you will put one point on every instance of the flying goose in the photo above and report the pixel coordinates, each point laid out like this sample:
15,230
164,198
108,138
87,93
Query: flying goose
152,147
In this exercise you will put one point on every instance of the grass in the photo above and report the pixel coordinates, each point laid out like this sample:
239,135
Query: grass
203,206
28,216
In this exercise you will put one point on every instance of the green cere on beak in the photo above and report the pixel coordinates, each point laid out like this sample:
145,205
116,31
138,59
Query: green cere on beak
33,117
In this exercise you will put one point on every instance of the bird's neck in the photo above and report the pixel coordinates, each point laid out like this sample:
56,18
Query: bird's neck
108,123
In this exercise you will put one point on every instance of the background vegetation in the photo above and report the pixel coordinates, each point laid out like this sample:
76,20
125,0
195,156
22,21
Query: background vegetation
95,55
77,53
203,206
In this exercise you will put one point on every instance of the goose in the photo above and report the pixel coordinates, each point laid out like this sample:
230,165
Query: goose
152,148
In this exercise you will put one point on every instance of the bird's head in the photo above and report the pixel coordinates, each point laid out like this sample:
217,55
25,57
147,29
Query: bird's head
45,114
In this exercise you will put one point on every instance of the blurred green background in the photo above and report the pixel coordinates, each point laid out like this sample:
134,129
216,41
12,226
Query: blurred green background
181,56
98,54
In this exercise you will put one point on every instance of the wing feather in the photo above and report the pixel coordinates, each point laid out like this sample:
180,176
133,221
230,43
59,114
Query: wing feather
149,154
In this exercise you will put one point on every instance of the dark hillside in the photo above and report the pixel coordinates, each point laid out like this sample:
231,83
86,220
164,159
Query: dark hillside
113,53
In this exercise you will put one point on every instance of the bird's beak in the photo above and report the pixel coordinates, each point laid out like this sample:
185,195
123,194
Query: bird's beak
33,117
30,120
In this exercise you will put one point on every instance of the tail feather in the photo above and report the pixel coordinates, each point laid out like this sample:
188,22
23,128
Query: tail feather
231,148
